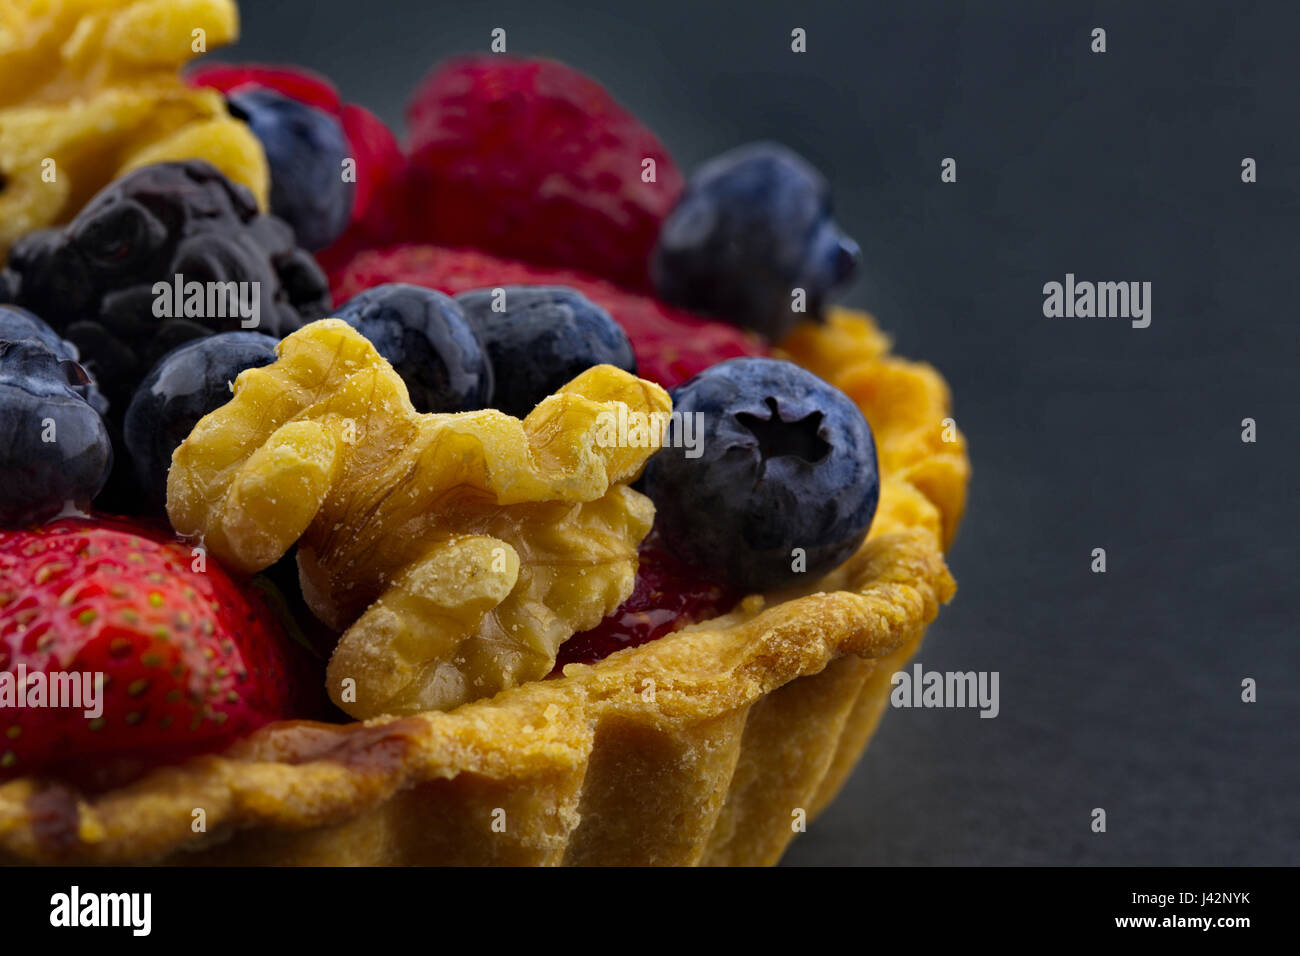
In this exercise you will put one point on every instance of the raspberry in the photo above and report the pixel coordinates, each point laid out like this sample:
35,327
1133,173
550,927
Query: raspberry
532,160
305,86
671,345
668,596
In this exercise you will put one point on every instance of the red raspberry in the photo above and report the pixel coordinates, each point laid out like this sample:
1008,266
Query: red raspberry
379,207
668,596
532,160
295,82
671,344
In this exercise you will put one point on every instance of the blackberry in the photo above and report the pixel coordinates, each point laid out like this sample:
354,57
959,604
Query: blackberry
93,280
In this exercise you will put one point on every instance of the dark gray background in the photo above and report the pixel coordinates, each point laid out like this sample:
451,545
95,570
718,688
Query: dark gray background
1119,690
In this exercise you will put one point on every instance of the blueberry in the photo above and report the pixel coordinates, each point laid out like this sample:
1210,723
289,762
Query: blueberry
305,148
54,447
753,225
17,324
427,339
185,384
784,461
543,338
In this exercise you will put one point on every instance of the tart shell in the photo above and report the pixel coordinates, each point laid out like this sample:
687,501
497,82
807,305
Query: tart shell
707,746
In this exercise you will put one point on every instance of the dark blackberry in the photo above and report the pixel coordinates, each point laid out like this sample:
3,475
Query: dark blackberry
93,280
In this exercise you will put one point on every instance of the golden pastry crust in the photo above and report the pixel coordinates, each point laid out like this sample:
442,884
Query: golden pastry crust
700,747
90,90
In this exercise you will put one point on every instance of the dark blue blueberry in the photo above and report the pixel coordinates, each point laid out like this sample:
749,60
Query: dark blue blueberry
544,336
54,447
186,384
17,324
753,225
305,148
426,337
785,461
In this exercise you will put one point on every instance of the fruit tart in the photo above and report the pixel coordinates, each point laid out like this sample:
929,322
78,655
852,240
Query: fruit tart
562,521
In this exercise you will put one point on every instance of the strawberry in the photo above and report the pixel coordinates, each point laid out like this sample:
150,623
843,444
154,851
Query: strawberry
189,660
671,345
530,159
379,205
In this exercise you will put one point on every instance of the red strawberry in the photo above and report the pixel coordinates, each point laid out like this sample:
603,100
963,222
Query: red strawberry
379,206
189,660
531,159
671,344
668,595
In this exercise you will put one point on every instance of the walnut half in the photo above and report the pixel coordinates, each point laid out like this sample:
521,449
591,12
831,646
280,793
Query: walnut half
455,552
